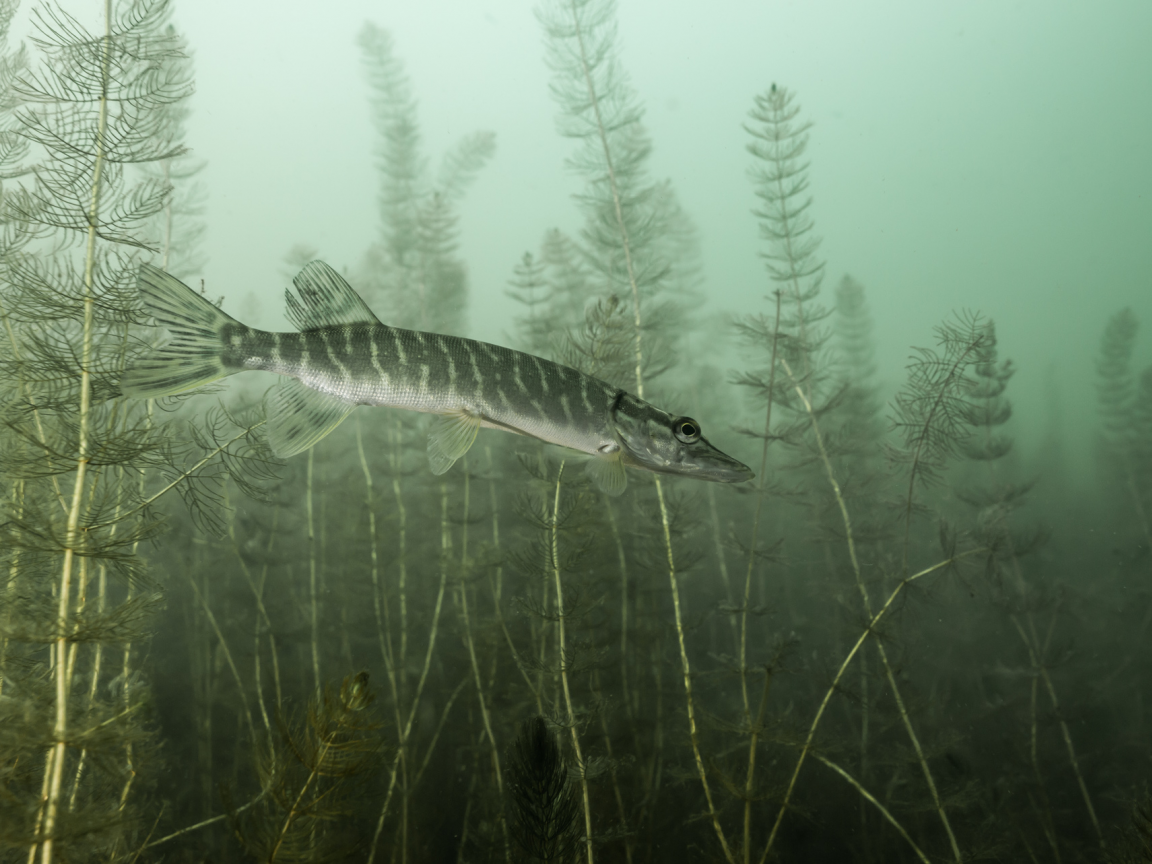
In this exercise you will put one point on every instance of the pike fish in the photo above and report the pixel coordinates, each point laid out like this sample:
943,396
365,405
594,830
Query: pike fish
343,356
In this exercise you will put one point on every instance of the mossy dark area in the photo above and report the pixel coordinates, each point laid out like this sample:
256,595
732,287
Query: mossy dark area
908,639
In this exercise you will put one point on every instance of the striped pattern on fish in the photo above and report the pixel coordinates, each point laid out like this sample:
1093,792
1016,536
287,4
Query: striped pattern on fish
374,364
344,356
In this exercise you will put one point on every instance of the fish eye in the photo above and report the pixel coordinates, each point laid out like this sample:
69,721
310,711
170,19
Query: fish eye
686,430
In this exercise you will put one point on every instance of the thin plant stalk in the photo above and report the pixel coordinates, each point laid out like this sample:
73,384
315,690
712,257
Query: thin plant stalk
184,475
626,248
626,243
94,686
620,809
1036,664
54,762
693,730
754,729
563,663
402,554
381,609
41,436
227,656
496,586
97,662
756,516
870,798
485,714
432,634
312,579
263,621
126,659
625,688
872,623
718,543
1045,817
11,585
850,538
754,740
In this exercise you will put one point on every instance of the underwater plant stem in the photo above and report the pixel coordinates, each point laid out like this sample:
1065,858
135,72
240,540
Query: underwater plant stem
753,743
262,618
126,665
183,475
718,543
94,686
626,243
12,583
562,648
259,684
380,609
402,556
227,656
166,251
624,686
620,809
756,515
1045,817
545,592
1063,729
439,728
55,758
685,668
41,436
516,654
419,774
433,631
312,577
494,504
923,438
290,817
928,778
485,715
874,620
867,796
202,824
919,752
626,247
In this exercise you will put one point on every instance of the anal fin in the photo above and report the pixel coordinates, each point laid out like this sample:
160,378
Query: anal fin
299,416
450,437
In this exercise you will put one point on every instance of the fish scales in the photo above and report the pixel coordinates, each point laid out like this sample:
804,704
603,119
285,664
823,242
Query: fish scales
375,364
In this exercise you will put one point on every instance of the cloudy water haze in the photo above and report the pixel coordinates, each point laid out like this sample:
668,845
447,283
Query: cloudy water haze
895,257
985,155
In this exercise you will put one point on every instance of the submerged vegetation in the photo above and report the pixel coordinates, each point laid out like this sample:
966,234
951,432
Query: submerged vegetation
892,645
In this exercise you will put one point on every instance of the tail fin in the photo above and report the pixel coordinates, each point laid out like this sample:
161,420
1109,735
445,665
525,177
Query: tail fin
193,355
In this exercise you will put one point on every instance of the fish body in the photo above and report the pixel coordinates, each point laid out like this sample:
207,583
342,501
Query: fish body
343,356
374,364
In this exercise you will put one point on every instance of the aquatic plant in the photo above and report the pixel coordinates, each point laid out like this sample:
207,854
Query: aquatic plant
627,217
309,779
805,668
1124,404
546,808
86,469
413,267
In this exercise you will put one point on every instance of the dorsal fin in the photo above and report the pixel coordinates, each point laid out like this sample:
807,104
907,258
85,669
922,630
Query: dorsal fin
325,300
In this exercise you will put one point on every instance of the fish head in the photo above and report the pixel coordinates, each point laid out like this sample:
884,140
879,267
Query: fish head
658,441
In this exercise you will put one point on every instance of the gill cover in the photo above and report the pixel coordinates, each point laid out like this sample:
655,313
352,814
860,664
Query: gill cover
655,440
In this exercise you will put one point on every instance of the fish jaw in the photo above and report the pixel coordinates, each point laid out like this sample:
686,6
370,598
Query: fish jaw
648,439
699,460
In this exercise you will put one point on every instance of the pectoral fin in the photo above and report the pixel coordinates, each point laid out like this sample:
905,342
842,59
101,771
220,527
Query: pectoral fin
299,416
607,473
450,437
